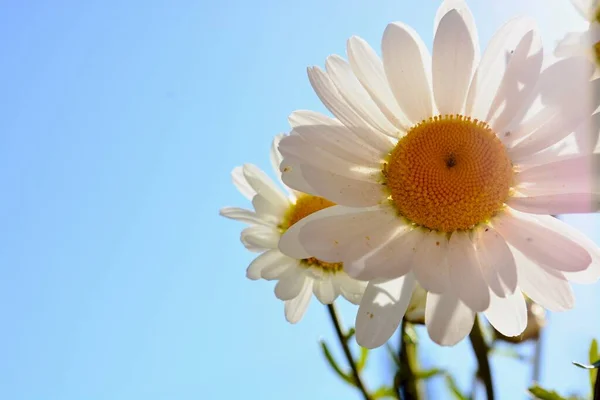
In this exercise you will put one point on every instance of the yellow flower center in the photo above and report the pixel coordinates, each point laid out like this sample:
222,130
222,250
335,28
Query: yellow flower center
597,53
449,173
307,204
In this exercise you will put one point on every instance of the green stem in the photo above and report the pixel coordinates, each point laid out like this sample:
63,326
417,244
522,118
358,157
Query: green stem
482,350
409,364
344,342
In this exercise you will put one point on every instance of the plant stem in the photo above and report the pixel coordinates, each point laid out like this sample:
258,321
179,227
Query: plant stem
408,362
481,350
597,386
344,342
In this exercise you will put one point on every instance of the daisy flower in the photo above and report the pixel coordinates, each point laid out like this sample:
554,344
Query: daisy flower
274,212
440,169
583,43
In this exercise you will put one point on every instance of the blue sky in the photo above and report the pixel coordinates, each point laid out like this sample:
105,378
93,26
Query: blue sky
120,123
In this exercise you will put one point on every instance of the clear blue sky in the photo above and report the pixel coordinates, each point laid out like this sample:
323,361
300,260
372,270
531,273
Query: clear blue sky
120,122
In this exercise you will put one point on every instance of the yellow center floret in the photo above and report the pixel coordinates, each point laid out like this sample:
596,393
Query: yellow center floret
307,204
449,173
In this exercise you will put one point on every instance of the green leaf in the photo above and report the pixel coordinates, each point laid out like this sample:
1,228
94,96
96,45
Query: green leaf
411,333
594,359
544,394
595,365
458,395
350,334
383,392
428,373
362,361
335,365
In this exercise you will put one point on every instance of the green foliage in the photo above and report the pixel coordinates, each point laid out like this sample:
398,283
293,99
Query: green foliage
594,359
333,363
362,361
454,389
544,394
384,392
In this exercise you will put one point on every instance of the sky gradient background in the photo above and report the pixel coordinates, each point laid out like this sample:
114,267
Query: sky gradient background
120,123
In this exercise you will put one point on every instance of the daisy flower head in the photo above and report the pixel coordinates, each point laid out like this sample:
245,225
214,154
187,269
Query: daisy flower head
585,43
274,212
441,171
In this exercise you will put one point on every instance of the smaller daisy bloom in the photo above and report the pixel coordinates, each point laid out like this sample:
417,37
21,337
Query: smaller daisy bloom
583,43
443,172
275,212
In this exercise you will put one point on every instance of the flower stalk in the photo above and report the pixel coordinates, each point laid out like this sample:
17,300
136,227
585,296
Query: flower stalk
482,351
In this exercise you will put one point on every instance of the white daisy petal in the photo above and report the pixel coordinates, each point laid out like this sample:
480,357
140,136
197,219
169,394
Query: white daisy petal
542,245
341,189
328,233
356,96
270,213
573,175
291,175
264,186
332,99
275,155
586,8
463,9
549,289
508,315
351,289
239,181
393,259
260,237
496,261
553,204
279,265
430,264
573,44
493,66
263,261
448,320
465,273
290,284
325,290
368,68
242,215
407,65
332,136
381,310
295,308
453,63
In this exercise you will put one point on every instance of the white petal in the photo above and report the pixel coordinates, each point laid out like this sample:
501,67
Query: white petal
351,289
327,234
572,44
464,11
242,215
264,186
356,96
517,89
368,68
292,175
265,260
466,277
493,66
553,204
393,259
448,319
332,99
572,175
508,315
270,213
260,237
275,155
295,308
333,137
496,261
278,266
407,66
325,290
548,289
541,244
341,189
453,63
239,180
586,8
381,310
290,284
430,264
